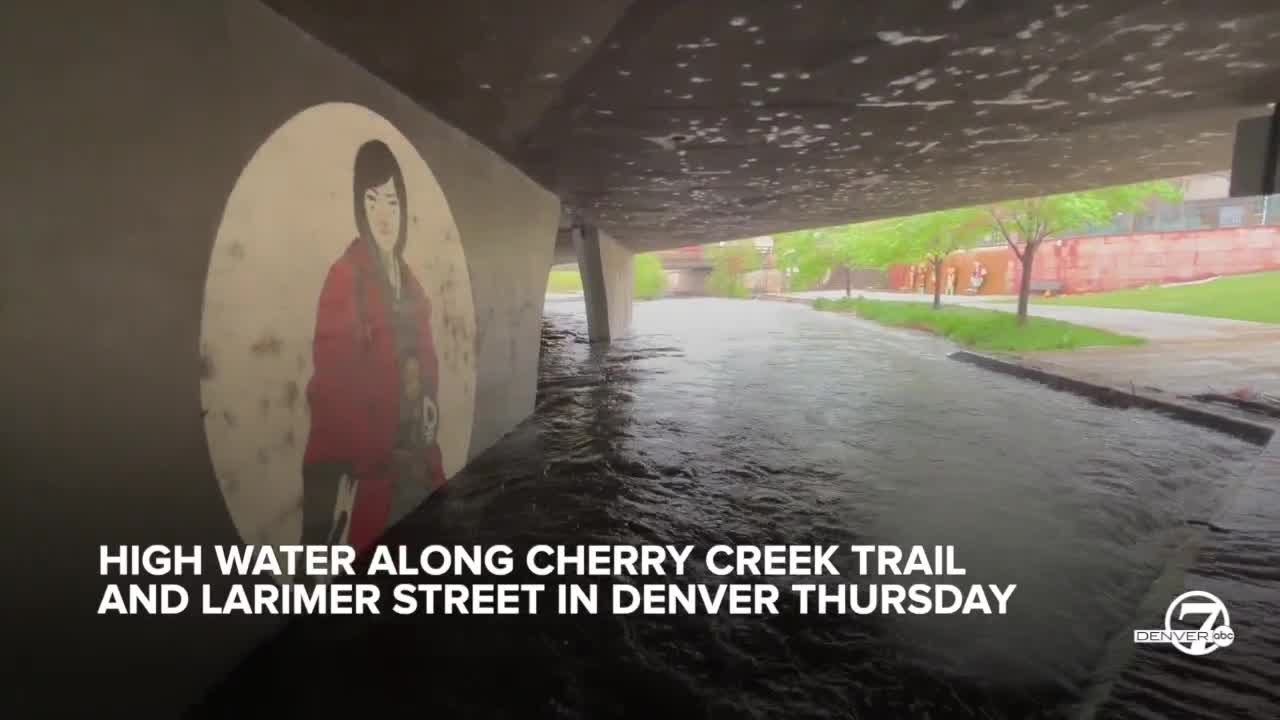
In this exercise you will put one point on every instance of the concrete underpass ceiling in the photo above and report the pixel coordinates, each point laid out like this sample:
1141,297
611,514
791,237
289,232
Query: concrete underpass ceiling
672,122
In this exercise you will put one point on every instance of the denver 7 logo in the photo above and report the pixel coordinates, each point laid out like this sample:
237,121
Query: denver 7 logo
1203,640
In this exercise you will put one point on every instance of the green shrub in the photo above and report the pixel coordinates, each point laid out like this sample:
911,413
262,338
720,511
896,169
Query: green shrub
650,279
729,263
564,281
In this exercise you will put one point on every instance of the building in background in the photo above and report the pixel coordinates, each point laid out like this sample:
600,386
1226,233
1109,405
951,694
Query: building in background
1206,235
689,267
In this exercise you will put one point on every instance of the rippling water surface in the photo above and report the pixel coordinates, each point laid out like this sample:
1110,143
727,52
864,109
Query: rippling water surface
754,422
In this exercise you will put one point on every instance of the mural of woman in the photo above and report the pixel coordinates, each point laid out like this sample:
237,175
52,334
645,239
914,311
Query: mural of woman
977,278
372,396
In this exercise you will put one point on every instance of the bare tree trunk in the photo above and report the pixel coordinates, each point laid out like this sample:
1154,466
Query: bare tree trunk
848,282
937,284
1024,284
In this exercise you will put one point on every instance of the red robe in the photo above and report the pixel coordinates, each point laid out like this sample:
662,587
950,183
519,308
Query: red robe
355,391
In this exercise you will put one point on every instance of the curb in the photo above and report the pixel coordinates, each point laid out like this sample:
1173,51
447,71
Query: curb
1256,433
784,299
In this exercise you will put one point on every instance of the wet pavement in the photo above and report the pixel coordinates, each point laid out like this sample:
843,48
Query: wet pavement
1245,366
960,299
1184,354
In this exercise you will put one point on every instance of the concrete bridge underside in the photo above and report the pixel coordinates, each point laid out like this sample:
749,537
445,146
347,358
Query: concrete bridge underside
670,123
206,200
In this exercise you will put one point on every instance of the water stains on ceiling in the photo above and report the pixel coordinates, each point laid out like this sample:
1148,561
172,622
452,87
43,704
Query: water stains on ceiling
674,122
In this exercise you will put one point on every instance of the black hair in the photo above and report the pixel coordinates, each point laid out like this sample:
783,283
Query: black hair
375,164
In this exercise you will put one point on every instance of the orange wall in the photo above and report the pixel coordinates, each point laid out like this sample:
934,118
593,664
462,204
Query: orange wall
1094,264
998,261
1112,262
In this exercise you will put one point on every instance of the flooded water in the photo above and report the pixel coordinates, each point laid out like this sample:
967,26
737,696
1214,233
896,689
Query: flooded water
765,423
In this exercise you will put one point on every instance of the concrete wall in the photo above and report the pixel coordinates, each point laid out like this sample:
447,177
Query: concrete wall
1208,186
149,144
688,281
1114,262
998,261
1108,263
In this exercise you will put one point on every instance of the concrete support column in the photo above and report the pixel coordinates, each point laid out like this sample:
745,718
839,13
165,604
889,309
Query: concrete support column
607,282
1255,162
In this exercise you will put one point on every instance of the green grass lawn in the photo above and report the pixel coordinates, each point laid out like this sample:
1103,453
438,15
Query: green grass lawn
1239,297
649,282
564,281
979,329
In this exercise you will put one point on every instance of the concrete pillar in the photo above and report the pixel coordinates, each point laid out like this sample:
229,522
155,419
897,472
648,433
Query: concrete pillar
1255,162
607,283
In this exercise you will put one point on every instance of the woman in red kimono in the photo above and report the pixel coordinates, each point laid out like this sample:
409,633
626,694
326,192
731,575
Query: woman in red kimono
373,392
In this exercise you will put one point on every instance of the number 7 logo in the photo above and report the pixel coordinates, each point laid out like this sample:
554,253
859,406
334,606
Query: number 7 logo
1210,635
1210,610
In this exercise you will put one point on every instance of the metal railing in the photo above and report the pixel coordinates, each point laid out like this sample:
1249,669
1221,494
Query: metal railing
1183,217
1197,215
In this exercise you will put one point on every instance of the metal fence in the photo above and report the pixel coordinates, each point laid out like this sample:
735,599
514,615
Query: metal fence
1185,217
1198,215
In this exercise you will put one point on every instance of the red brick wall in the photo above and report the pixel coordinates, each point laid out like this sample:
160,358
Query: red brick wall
1094,264
897,277
1112,262
999,262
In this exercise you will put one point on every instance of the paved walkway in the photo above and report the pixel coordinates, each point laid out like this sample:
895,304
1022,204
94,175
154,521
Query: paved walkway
911,297
1249,363
1154,326
1141,323
1184,354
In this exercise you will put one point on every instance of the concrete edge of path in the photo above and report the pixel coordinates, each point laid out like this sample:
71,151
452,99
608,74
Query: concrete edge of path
1253,432
784,298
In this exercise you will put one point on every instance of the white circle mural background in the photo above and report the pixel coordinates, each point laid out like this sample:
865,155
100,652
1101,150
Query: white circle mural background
323,354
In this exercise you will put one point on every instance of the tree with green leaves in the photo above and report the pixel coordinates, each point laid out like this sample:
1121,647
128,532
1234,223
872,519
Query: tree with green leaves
861,245
1026,224
807,256
649,280
804,257
931,237
729,262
